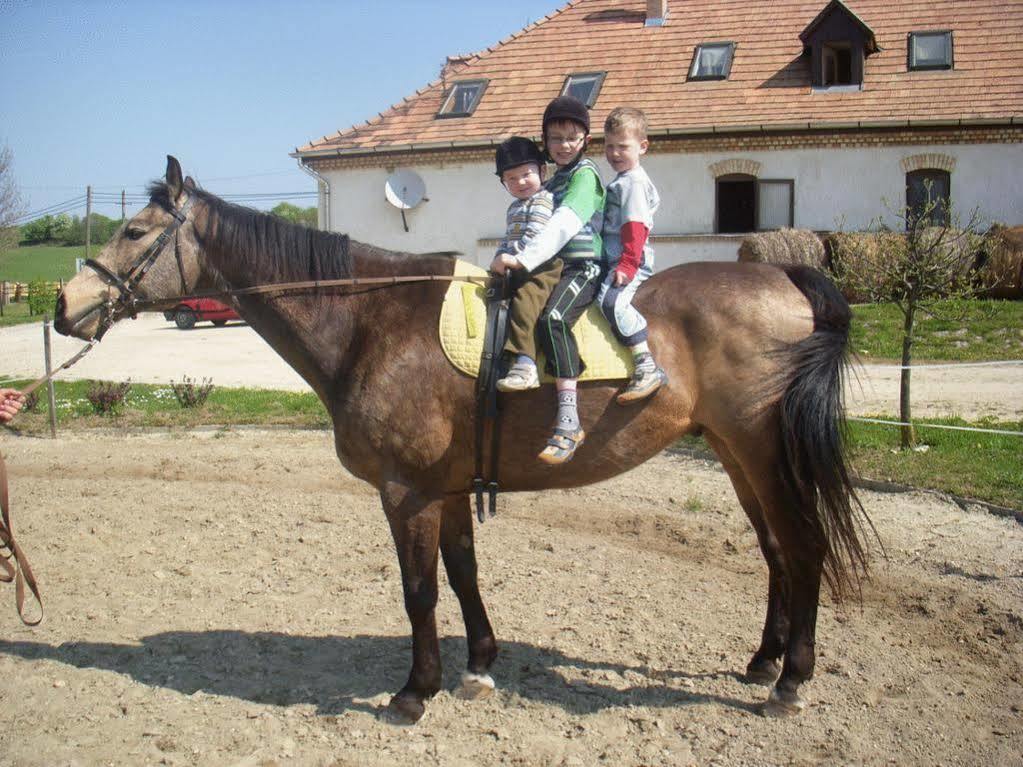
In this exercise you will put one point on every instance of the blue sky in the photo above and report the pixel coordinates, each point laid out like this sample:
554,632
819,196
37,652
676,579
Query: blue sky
100,92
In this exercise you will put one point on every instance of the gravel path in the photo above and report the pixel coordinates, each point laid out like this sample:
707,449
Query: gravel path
152,350
233,598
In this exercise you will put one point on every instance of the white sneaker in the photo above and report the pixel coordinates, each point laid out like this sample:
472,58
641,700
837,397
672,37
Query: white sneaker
520,378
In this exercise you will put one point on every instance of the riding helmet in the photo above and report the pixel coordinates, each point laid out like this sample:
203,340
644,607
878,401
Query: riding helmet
517,151
566,108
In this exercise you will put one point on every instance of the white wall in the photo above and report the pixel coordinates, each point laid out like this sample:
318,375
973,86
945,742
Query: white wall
834,188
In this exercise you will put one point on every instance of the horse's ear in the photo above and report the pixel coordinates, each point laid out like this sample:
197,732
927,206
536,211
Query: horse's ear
174,182
189,182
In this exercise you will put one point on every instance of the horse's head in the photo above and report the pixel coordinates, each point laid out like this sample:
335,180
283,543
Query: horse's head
152,256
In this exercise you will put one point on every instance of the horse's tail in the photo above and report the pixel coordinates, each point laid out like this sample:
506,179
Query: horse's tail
813,435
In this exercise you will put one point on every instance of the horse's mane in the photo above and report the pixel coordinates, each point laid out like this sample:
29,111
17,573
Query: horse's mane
243,243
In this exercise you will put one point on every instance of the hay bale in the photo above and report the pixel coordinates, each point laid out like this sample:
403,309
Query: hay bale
1000,263
784,246
854,257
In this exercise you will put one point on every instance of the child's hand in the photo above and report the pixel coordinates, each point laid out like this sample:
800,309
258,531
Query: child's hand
11,401
621,279
504,261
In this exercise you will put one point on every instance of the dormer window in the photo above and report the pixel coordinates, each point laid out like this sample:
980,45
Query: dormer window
584,86
712,61
463,98
838,43
930,50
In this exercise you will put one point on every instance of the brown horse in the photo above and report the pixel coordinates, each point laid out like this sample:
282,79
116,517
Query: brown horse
755,355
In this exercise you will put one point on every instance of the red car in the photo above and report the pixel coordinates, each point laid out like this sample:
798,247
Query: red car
193,310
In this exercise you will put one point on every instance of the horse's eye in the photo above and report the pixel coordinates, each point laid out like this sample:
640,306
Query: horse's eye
135,234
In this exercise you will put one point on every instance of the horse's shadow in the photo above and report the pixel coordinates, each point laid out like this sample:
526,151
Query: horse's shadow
336,674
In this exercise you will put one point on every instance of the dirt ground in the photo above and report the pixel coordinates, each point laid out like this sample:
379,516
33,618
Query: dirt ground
232,598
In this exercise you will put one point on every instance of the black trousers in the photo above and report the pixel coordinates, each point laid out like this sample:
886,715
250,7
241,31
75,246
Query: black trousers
578,286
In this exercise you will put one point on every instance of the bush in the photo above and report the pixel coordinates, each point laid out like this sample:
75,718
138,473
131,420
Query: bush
785,246
1000,264
107,397
42,297
192,394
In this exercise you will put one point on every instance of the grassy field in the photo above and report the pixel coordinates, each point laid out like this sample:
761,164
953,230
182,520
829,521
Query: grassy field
41,262
986,467
961,331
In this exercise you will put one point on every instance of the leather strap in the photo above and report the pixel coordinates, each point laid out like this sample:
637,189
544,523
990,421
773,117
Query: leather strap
19,571
488,411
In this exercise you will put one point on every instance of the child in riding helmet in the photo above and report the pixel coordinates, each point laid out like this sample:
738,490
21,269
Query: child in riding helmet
573,236
522,168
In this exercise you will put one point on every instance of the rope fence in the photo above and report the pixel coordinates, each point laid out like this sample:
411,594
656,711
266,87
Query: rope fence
935,426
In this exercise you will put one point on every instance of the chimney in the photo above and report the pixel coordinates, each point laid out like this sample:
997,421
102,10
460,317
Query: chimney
656,12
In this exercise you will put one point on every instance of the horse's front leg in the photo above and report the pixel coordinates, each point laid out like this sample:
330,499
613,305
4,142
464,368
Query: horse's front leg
415,524
459,553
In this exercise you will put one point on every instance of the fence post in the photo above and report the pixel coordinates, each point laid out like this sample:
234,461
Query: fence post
49,381
3,296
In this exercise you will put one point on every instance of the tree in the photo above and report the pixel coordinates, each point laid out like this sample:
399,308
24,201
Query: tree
931,262
10,201
295,214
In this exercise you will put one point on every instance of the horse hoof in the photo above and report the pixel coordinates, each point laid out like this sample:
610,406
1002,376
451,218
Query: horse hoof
782,704
403,710
474,686
764,673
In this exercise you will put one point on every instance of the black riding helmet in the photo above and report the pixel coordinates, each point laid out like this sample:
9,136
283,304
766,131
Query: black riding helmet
566,108
517,151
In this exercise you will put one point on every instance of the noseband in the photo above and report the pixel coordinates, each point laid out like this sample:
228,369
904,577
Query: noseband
128,301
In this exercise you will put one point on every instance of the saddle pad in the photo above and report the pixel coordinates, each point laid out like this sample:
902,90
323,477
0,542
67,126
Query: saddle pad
463,320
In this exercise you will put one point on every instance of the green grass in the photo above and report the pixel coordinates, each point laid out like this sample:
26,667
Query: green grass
17,314
962,331
983,467
41,262
154,405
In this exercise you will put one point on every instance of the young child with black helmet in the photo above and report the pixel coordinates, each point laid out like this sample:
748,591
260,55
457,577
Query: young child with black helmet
521,167
571,237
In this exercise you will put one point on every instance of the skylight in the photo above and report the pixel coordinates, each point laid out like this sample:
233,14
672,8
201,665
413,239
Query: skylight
584,86
712,61
930,50
463,98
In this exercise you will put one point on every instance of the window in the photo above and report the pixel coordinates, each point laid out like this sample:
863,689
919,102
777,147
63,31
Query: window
747,204
585,86
712,61
930,50
463,98
837,64
926,188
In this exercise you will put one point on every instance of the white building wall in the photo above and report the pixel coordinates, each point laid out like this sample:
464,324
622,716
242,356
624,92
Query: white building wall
834,188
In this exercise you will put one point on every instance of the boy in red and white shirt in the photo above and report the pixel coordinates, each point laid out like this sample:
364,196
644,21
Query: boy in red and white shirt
629,211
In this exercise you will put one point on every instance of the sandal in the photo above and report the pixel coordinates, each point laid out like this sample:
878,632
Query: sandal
562,446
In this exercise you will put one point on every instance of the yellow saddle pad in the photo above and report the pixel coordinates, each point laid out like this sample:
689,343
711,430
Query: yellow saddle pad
463,320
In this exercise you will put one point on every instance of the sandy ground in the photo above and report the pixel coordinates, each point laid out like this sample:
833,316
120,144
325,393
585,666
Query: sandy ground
152,350
232,598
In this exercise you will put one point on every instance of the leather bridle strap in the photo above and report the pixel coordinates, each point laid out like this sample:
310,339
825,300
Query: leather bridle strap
19,570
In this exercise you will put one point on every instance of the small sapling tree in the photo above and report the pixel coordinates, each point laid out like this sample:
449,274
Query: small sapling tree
918,270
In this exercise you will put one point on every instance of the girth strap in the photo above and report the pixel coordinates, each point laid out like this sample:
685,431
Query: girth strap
488,411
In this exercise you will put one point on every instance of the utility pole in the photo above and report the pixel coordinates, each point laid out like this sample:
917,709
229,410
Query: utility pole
123,206
88,220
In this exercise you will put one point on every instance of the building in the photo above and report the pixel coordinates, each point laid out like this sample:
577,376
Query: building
763,113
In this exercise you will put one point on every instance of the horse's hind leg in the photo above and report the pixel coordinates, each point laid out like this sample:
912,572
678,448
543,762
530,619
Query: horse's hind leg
763,668
415,525
459,553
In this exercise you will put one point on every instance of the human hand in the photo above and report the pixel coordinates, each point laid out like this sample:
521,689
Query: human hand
503,262
621,279
11,401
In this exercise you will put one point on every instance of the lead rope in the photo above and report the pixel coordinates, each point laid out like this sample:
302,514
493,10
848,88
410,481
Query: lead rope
19,570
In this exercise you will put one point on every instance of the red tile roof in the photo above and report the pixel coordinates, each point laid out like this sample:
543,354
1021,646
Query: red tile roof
769,84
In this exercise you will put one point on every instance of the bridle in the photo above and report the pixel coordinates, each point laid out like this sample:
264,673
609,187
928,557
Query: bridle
128,301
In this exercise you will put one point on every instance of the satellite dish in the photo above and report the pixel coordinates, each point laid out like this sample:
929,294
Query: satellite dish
404,189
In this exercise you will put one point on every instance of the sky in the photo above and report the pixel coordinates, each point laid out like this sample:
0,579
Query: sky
98,92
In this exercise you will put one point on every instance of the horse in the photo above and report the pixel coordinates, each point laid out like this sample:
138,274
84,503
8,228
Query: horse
755,355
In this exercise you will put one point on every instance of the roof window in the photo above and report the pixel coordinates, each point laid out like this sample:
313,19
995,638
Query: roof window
712,61
838,43
463,98
930,50
584,86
